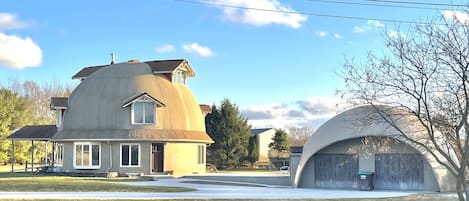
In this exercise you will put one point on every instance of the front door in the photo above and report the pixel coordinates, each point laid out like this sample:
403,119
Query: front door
157,152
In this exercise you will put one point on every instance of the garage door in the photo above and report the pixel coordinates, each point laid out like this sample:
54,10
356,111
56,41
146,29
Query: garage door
399,171
335,171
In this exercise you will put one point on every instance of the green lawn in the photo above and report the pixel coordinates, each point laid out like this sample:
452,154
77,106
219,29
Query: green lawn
21,182
7,168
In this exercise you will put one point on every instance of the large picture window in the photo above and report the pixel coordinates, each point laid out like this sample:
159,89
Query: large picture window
130,155
143,112
87,155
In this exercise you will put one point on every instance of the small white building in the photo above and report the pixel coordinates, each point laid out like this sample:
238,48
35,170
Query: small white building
263,138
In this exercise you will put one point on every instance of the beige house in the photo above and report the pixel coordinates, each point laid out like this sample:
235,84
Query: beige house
131,118
336,151
263,138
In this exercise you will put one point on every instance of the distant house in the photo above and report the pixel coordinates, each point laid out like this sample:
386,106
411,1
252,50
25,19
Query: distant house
206,109
263,138
131,118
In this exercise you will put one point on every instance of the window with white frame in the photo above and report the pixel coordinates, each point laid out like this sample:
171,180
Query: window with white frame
87,155
143,112
179,77
130,155
201,154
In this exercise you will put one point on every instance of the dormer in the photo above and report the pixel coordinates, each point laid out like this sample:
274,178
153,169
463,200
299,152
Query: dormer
60,105
176,71
143,108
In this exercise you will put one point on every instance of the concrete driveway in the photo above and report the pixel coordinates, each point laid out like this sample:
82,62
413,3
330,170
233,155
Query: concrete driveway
207,191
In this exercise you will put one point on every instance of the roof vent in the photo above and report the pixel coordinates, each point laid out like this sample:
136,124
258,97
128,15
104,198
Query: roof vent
134,61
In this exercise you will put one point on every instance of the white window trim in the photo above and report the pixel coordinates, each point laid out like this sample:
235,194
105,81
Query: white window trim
130,154
133,111
91,155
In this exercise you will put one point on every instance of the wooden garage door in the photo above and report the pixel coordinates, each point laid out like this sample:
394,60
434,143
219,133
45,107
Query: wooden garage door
335,171
399,172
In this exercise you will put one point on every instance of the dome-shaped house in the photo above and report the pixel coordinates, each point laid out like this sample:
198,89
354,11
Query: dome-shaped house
133,117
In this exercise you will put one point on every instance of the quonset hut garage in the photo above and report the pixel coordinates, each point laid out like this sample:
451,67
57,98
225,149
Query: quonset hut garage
335,153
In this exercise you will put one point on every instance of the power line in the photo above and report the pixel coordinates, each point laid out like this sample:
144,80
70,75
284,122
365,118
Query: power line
306,13
418,3
372,4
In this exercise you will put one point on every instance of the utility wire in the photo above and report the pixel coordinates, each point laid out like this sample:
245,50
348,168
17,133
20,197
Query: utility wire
419,3
372,4
306,13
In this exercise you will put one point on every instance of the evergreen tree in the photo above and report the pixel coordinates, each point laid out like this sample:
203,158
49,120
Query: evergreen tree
253,155
280,141
231,134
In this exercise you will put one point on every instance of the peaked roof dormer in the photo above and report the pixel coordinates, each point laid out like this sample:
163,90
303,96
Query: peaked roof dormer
142,96
156,66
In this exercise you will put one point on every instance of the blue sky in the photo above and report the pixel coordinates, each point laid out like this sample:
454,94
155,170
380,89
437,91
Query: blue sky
281,69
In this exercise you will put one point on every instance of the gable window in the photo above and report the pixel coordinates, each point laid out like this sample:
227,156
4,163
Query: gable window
201,154
87,155
143,112
179,77
143,108
130,155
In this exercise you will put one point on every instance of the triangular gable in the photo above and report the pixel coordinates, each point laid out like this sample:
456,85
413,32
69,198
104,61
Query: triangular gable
135,97
184,66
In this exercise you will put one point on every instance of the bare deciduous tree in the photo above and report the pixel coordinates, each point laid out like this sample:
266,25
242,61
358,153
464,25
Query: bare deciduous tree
297,136
425,77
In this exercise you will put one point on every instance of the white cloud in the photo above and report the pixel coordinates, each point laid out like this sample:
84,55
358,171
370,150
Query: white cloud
321,34
338,36
457,16
280,14
368,26
167,48
19,53
197,49
396,34
310,112
9,21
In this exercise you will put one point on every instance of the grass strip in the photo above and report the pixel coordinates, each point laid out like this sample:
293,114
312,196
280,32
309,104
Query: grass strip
46,183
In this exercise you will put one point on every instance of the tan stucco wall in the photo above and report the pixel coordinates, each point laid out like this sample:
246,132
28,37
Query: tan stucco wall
180,159
263,140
